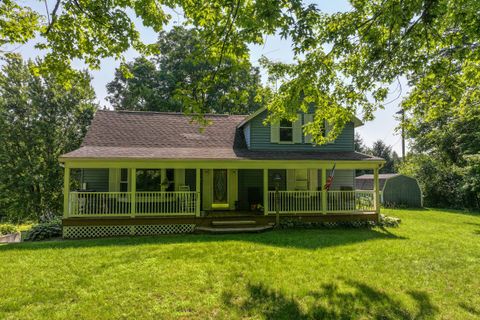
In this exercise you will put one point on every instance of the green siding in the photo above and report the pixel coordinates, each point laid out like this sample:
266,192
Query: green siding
260,139
96,179
402,190
252,179
341,180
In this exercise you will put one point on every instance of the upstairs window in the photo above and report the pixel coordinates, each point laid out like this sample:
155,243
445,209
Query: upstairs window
323,128
286,131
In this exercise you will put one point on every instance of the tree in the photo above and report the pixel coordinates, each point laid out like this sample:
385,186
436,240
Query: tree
344,62
169,80
359,143
445,158
39,121
380,149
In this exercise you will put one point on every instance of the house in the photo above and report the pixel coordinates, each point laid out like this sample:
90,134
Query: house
150,173
395,189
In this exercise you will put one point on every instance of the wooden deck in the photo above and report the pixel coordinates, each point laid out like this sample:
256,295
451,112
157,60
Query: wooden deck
207,220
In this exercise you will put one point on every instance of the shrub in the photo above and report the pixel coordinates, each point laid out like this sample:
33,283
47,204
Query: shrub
384,221
45,230
7,228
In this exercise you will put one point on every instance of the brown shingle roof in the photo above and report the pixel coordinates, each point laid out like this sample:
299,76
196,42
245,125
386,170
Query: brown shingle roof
159,130
156,135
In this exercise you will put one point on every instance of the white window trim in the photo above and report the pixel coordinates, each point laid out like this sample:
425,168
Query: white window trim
280,127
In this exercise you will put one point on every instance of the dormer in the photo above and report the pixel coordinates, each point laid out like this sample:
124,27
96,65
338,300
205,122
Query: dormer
288,135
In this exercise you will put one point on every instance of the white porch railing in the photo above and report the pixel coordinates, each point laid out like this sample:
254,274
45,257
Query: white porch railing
120,203
99,203
292,202
365,200
350,201
166,203
295,201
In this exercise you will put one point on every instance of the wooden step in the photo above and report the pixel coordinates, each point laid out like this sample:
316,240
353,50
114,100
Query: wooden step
233,230
233,222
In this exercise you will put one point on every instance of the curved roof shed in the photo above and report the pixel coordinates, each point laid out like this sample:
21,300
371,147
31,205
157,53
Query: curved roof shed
396,189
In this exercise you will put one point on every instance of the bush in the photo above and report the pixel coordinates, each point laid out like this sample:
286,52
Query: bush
384,221
390,222
445,184
7,228
45,230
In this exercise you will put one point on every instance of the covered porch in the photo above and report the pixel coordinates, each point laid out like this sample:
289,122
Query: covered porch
136,189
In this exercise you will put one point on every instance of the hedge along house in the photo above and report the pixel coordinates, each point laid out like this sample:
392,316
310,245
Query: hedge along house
149,173
395,189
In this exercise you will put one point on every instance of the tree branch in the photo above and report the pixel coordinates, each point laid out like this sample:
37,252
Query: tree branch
54,16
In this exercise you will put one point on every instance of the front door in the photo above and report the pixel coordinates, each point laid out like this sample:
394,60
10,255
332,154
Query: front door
220,188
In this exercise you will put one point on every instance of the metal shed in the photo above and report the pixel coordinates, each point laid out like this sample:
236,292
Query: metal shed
396,189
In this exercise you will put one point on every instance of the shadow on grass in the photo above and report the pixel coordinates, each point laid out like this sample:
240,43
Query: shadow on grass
455,211
300,238
477,232
344,299
470,309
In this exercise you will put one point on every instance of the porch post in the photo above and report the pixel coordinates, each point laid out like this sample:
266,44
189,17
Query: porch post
197,192
265,192
324,191
133,192
376,190
66,191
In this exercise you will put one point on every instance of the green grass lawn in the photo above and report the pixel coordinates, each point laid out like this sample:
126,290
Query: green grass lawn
429,267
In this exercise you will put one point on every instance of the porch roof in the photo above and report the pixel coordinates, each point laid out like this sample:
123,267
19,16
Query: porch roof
118,135
99,153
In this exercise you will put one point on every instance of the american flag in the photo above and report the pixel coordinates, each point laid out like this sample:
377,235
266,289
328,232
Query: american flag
330,178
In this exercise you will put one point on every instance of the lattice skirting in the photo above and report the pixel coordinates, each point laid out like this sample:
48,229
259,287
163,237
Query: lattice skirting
76,232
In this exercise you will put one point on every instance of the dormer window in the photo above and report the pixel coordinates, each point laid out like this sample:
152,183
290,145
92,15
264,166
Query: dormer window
286,131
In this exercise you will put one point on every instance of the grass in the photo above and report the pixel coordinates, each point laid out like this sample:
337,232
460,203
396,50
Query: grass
428,268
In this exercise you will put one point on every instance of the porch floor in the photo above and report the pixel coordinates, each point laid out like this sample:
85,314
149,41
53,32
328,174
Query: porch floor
210,217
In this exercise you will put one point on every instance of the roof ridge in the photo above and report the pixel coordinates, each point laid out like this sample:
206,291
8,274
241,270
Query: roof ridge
172,113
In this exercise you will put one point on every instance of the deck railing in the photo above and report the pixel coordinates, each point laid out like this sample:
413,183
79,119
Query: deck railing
292,202
166,203
365,200
120,203
295,201
185,203
99,203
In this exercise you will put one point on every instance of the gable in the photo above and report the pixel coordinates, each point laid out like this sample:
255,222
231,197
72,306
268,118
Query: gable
355,120
267,137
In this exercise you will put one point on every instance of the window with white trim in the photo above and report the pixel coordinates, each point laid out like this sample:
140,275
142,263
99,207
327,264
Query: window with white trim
155,180
301,179
123,180
286,131
323,128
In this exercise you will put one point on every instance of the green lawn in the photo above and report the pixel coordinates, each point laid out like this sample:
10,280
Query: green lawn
429,267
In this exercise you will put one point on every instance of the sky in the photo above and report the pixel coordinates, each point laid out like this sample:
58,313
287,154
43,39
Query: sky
275,48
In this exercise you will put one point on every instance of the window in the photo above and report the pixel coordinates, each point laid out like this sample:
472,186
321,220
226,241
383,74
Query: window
286,131
155,180
169,178
301,179
323,128
149,180
123,180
